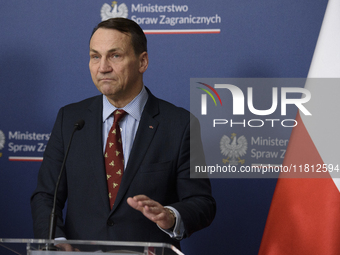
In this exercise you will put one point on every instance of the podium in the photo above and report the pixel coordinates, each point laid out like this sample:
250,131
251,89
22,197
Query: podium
15,246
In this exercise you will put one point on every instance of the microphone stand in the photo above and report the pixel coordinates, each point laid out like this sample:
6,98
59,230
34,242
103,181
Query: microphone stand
53,219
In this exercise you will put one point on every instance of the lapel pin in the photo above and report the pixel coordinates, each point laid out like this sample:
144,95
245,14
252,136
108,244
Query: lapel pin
151,127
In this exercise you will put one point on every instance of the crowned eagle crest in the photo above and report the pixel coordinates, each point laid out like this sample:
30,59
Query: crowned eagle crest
2,140
116,11
233,148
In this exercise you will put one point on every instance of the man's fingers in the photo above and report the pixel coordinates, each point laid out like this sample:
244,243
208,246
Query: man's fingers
132,203
141,201
65,247
141,198
149,203
152,210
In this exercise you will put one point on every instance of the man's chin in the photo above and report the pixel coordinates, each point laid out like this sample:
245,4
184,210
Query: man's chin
107,89
111,94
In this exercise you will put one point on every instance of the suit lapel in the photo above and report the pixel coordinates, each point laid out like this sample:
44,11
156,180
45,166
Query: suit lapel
93,124
145,133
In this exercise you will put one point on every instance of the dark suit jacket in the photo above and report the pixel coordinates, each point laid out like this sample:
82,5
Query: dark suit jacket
158,167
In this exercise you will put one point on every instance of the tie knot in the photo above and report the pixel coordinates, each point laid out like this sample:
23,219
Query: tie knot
118,115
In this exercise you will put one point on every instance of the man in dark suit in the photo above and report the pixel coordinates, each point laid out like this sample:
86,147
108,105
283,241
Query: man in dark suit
157,201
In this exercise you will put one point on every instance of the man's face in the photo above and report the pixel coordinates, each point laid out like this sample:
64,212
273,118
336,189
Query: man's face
115,69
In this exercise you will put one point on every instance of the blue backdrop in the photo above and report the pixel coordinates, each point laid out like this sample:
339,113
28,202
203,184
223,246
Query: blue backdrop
44,65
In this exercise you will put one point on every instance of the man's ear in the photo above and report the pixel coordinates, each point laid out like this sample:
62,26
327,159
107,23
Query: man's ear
143,62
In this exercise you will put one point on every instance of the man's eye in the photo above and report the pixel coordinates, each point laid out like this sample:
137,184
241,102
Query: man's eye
115,56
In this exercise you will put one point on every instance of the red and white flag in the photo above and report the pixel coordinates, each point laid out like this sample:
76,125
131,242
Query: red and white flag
304,216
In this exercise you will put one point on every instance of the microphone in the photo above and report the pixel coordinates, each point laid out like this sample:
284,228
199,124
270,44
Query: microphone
53,220
79,124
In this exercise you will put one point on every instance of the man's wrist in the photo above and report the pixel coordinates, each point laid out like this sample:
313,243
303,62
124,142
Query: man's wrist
173,215
177,231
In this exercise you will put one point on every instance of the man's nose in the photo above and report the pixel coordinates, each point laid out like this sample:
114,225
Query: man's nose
105,66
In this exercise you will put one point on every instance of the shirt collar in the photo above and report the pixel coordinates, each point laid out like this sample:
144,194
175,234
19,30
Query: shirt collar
134,108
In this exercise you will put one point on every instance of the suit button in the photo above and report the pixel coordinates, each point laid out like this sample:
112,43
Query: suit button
110,223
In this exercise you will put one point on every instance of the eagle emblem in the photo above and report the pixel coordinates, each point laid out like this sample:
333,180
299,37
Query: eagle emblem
233,148
116,11
2,140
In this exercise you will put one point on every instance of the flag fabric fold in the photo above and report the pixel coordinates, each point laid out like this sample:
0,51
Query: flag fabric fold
304,217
